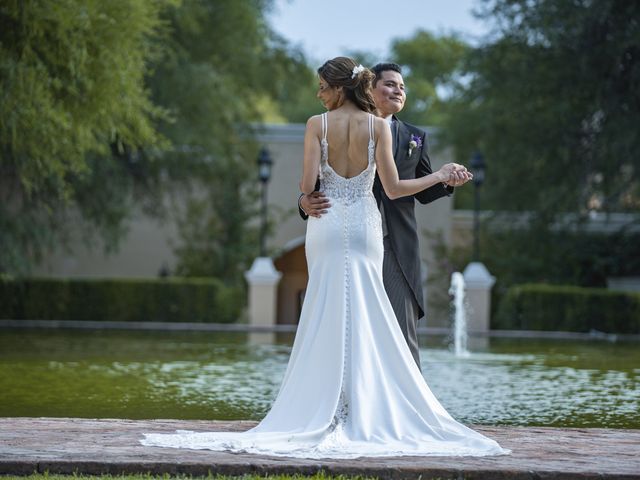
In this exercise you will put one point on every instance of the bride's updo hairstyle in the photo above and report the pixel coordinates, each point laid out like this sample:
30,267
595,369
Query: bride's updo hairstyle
355,79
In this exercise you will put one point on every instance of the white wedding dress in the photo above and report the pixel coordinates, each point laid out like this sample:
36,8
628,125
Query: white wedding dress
351,387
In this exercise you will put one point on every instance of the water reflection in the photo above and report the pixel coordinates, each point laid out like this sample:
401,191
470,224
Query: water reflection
232,376
525,390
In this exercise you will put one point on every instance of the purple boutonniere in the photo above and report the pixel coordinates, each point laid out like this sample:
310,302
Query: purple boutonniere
415,142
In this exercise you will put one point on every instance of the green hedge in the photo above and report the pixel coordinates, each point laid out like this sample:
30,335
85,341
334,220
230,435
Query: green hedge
568,308
123,300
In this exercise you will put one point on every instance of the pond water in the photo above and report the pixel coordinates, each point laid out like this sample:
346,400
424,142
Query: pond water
116,374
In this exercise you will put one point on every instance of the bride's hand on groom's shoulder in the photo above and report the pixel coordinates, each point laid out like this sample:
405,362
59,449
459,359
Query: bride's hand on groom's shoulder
315,204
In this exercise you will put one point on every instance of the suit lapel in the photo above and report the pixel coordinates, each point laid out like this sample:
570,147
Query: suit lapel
394,136
401,138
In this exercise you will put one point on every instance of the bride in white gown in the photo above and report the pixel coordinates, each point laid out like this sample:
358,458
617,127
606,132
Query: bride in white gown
351,387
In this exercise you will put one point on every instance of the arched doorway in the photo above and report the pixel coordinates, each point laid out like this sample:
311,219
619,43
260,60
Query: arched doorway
293,265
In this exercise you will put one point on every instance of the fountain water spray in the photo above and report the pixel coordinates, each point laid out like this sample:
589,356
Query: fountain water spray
459,315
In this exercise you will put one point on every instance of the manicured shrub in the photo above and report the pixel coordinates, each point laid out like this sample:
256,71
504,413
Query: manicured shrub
125,300
568,308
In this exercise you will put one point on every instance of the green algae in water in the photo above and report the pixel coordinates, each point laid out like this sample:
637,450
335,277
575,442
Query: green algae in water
141,375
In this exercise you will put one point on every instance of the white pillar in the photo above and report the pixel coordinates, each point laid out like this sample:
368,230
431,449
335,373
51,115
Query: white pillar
263,281
478,282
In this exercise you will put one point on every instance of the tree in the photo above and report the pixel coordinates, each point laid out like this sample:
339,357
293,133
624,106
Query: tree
72,82
109,107
433,70
224,72
553,103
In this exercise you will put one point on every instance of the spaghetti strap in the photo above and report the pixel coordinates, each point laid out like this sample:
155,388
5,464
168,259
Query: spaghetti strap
324,126
324,146
372,144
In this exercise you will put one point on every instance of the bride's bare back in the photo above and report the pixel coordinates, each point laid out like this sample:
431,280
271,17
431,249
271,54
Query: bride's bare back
348,139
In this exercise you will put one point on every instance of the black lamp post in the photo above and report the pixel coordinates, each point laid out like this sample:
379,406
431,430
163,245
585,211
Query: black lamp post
264,174
478,168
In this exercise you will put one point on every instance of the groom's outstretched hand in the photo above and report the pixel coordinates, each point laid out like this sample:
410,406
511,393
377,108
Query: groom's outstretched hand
314,204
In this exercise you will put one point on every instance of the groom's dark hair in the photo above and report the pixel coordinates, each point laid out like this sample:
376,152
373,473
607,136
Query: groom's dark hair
384,67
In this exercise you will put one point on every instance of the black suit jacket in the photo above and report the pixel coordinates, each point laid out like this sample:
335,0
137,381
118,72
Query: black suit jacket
399,214
400,218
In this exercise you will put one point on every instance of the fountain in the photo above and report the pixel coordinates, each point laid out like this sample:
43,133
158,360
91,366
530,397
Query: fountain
221,376
457,290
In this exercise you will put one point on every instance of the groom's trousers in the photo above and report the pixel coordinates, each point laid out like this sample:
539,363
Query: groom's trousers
402,299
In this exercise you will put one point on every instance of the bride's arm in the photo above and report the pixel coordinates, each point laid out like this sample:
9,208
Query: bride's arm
312,154
393,186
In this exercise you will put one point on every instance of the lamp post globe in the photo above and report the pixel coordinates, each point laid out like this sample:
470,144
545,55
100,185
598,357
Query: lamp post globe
478,168
264,165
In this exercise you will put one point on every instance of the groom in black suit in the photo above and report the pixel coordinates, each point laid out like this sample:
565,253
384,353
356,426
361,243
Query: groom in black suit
401,265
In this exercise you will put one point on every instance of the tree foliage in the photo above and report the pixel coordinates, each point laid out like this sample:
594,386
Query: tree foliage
553,104
552,101
72,91
432,72
224,72
111,107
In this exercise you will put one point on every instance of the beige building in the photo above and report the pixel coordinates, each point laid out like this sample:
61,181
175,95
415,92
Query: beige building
149,245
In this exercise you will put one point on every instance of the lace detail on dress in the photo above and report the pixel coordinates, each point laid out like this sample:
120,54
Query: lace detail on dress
343,189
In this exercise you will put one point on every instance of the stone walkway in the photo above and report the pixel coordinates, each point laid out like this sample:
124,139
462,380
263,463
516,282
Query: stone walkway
86,446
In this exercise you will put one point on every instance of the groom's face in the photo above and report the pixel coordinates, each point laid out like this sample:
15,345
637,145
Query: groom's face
388,93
